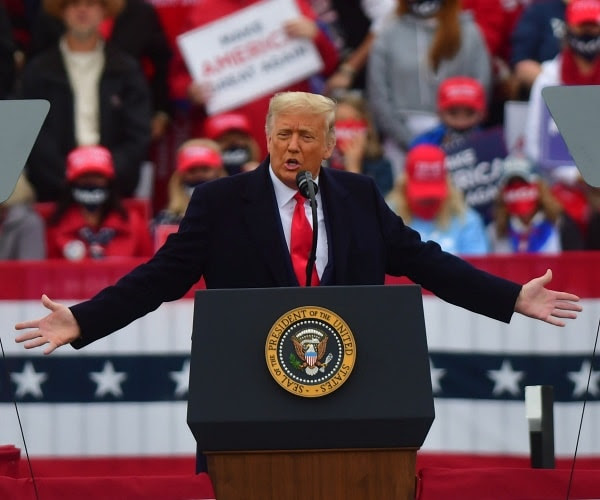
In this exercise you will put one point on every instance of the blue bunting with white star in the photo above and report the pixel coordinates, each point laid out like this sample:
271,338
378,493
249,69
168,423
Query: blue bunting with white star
148,378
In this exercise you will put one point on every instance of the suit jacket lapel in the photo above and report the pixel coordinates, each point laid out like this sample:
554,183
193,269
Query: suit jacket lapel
261,216
335,208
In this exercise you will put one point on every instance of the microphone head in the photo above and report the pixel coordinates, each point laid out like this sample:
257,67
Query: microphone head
303,179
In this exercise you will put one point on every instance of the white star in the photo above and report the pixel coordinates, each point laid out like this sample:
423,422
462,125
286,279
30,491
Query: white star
580,379
506,379
436,377
29,381
109,381
181,379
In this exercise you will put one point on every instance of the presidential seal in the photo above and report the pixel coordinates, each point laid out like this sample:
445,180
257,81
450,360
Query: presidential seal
310,351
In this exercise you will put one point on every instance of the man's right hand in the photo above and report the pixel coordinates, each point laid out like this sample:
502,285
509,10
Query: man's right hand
57,328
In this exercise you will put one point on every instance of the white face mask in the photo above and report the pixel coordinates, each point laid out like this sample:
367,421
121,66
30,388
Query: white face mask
425,8
586,46
90,197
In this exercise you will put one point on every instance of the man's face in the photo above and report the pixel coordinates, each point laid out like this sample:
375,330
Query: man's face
83,17
298,141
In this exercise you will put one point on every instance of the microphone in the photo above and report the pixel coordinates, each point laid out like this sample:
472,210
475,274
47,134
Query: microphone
308,188
304,181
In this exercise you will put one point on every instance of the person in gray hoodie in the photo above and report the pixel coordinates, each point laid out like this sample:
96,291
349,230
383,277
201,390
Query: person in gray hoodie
22,230
425,42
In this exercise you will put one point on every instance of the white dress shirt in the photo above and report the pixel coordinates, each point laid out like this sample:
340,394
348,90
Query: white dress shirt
286,204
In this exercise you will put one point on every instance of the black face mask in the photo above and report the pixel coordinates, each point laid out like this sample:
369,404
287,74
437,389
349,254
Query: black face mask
586,46
90,197
234,158
424,8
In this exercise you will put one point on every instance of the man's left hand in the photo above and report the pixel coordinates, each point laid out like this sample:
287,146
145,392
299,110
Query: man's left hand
550,306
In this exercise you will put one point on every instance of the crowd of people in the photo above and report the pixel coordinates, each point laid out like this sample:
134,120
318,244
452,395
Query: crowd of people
420,87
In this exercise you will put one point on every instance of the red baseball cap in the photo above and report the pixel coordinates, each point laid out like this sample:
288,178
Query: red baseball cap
461,91
198,156
426,172
217,125
89,160
583,11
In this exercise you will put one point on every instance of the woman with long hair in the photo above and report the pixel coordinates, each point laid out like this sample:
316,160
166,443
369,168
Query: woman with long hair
527,216
198,161
425,43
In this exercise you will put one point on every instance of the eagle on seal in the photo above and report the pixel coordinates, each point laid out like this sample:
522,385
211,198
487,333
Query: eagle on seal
311,353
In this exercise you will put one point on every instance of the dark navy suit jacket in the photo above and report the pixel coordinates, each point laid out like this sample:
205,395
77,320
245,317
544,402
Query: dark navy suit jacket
232,235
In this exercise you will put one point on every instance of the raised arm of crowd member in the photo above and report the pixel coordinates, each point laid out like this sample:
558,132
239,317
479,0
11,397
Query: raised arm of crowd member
98,95
359,21
198,92
536,38
236,234
304,26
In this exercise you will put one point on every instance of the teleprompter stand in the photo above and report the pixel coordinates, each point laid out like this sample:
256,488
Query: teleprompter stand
357,442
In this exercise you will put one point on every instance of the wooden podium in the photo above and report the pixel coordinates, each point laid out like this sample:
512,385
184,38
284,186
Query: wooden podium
262,441
315,474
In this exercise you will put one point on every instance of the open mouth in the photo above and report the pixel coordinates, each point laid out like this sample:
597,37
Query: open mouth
292,164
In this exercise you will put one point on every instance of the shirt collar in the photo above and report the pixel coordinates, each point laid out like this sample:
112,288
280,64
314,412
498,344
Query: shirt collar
283,193
64,48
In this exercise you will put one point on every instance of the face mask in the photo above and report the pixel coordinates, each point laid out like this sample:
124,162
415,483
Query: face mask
456,136
234,157
425,209
424,8
586,46
90,197
521,199
347,130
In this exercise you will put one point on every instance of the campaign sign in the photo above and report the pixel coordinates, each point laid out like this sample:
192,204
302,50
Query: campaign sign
247,54
553,149
476,165
515,118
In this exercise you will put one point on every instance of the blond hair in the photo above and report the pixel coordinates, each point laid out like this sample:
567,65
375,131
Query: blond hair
453,205
284,102
178,196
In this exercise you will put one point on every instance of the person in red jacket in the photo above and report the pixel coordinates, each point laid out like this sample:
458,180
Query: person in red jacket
90,221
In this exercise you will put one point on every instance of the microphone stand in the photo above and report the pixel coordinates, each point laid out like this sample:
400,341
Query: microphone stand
313,250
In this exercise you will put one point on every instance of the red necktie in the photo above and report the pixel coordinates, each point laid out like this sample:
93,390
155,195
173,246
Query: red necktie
301,242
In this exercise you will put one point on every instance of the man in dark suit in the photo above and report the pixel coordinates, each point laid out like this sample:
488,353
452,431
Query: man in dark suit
98,96
236,234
